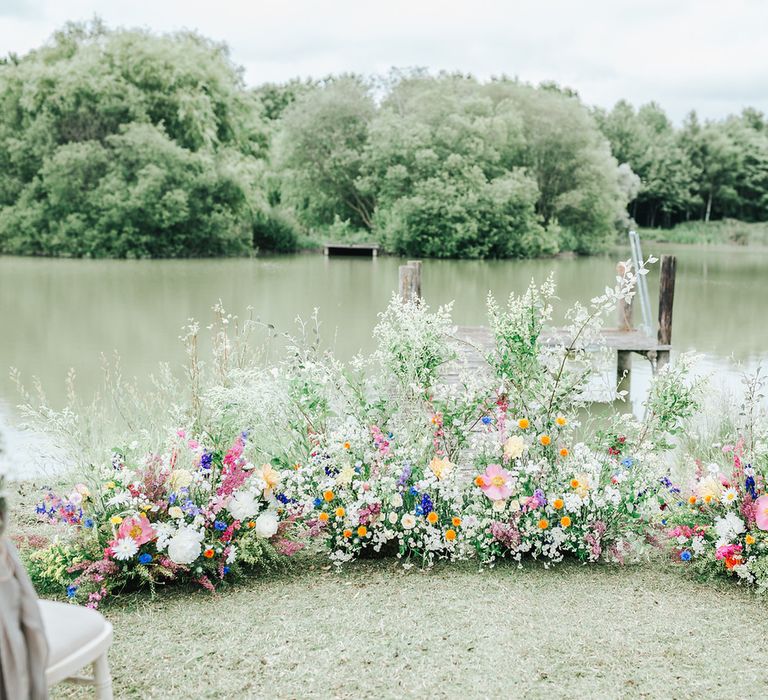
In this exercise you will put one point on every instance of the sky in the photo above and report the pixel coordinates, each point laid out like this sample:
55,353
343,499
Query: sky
707,55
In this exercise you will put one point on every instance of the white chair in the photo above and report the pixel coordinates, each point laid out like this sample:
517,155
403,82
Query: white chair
77,637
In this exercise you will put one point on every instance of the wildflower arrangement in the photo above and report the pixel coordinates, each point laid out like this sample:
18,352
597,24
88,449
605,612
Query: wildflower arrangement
719,525
191,513
383,456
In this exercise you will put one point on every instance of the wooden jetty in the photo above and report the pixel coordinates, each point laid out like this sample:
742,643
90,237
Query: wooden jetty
367,250
625,339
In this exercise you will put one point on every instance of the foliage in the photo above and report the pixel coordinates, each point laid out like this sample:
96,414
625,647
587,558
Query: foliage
126,144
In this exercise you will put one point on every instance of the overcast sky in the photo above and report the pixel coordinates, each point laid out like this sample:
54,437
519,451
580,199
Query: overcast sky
711,55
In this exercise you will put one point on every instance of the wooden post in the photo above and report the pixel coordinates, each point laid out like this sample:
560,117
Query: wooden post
624,357
666,300
416,264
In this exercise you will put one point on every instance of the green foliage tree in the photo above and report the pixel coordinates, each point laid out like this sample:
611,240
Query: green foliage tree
123,143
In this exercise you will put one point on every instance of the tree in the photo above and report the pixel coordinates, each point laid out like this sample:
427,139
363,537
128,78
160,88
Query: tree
320,153
124,143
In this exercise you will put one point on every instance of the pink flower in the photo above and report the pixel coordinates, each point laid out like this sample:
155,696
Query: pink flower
761,512
495,482
139,528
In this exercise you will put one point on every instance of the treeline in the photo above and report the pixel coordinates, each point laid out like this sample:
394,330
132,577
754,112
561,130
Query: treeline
128,144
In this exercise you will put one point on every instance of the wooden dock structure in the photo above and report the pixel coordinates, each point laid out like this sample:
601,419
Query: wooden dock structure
363,250
625,339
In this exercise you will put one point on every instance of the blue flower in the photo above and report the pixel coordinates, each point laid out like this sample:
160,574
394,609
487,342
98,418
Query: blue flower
171,499
318,502
71,591
220,525
225,570
627,462
486,420
685,555
749,485
413,490
205,460
145,558
282,498
88,522
426,504
663,521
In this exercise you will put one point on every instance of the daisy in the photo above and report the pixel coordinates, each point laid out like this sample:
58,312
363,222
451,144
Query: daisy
730,496
125,548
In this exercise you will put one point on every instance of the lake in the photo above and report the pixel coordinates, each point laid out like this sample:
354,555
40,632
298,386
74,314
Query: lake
61,314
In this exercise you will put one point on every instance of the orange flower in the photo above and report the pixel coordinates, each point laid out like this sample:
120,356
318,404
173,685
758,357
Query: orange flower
455,521
564,452
328,496
450,535
561,421
692,500
523,424
251,524
347,533
543,524
575,483
749,539
557,504
565,521
432,517
362,531
480,480
208,553
347,445
323,517
708,498
545,440
340,512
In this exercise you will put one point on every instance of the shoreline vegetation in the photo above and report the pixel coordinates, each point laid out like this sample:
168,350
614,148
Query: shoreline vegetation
129,144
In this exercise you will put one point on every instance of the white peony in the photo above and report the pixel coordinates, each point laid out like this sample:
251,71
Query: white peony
408,521
185,546
266,525
728,527
243,505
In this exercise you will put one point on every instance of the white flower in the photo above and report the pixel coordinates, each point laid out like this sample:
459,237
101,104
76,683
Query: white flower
713,468
729,496
121,499
125,548
243,505
180,478
266,525
232,554
175,512
499,505
572,501
728,527
397,500
164,533
514,447
613,495
392,517
408,521
184,547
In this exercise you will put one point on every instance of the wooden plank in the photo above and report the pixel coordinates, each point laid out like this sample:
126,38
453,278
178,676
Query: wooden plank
352,249
666,301
614,339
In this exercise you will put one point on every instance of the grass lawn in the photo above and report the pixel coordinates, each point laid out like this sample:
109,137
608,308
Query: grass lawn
377,630
725,232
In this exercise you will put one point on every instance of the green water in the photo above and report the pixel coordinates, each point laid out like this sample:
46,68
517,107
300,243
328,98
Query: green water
57,314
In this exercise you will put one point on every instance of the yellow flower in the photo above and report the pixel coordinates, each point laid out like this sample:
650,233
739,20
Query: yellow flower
347,533
432,517
270,475
440,467
557,504
109,485
328,496
523,424
565,521
749,539
561,421
514,447
115,520
347,445
340,512
545,440
543,524
175,512
346,475
455,521
362,531
180,478
450,535
563,451
323,517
